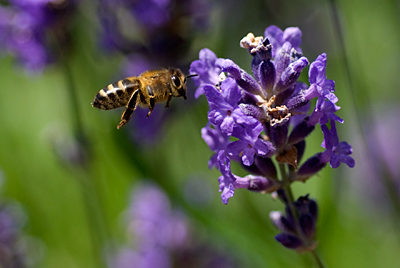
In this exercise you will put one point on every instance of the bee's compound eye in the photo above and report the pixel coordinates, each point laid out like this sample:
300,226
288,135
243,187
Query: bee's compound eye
176,81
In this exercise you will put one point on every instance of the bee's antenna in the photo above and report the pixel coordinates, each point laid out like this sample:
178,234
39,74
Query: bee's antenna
191,75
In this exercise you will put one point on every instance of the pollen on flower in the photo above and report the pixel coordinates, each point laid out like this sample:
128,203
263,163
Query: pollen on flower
279,115
221,77
295,55
265,137
250,42
267,104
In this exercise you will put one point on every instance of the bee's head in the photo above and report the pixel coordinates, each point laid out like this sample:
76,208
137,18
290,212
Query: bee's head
178,82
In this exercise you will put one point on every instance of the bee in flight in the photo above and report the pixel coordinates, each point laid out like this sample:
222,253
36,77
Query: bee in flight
146,89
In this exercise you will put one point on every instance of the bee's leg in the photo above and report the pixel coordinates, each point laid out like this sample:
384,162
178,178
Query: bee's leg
131,107
151,100
169,100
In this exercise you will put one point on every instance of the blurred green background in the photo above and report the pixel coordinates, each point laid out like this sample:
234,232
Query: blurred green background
73,209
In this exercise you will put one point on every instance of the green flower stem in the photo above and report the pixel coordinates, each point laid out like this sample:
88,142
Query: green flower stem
90,192
317,259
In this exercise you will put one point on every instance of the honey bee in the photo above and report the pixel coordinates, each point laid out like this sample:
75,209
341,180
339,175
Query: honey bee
146,89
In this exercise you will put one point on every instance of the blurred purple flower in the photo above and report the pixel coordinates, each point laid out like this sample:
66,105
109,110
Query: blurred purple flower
153,222
162,236
157,229
378,181
25,27
160,26
153,13
154,257
12,250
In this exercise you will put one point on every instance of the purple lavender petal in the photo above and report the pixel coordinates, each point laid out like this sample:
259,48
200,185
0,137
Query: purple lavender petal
291,74
339,152
227,125
275,36
248,144
230,67
312,166
257,184
215,98
206,69
231,91
319,85
227,179
300,131
293,36
224,110
278,135
280,221
278,37
266,73
330,137
264,148
253,111
282,59
248,132
288,241
214,138
243,79
266,167
227,191
324,111
236,148
307,225
341,155
248,155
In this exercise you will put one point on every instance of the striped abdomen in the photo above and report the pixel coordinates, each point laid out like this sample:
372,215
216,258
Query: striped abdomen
117,94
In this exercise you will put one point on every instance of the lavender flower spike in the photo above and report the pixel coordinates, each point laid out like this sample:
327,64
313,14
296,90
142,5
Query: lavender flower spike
255,118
